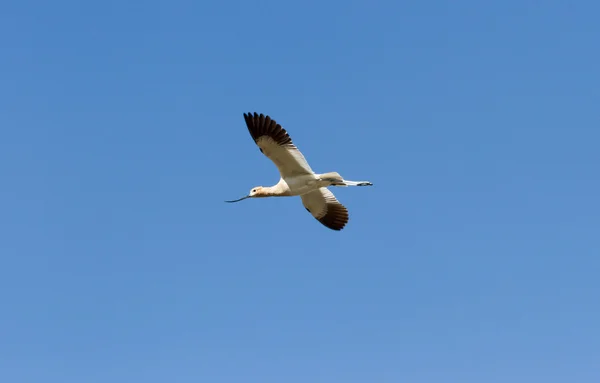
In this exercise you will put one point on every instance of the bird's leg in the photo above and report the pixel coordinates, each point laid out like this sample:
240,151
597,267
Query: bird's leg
354,183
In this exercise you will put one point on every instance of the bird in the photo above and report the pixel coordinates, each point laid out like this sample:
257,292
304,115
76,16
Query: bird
296,176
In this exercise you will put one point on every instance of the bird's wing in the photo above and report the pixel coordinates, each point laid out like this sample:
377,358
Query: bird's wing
323,205
275,143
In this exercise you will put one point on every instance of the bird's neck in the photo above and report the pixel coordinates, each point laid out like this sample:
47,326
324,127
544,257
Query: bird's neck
274,191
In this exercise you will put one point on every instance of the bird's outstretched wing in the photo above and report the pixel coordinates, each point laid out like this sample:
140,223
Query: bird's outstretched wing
275,143
323,205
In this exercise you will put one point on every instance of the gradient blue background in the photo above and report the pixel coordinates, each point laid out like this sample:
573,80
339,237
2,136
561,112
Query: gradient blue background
474,258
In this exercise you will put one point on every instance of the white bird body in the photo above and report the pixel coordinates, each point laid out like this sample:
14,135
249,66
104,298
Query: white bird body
296,176
297,185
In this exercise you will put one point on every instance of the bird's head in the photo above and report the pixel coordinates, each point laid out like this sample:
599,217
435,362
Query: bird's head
255,192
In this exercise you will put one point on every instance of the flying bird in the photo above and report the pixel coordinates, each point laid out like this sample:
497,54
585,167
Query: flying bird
297,177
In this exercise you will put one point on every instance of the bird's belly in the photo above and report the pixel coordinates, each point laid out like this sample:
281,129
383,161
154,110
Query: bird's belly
302,184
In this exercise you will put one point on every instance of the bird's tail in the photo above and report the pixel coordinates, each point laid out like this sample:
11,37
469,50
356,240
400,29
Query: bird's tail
335,179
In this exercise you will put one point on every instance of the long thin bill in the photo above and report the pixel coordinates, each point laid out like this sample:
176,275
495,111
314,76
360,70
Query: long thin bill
237,200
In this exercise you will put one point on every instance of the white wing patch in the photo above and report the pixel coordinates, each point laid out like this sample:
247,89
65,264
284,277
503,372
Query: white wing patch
288,159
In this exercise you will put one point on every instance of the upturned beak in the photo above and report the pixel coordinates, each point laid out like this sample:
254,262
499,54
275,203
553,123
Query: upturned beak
237,200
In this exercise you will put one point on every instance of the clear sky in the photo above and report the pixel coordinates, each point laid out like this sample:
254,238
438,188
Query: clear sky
474,258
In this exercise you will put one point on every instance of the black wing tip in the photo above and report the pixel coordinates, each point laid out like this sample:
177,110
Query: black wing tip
261,124
253,115
333,225
338,220
338,227
254,119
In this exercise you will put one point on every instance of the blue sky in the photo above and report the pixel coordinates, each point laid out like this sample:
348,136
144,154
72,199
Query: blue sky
473,258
